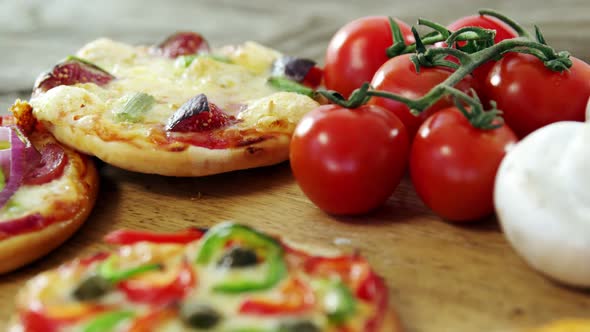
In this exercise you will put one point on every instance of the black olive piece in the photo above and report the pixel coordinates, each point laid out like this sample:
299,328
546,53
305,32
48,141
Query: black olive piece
298,326
238,257
92,288
199,316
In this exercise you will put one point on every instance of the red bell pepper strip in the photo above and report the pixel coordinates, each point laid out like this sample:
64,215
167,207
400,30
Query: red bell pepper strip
125,237
54,318
296,297
34,320
98,257
160,295
352,269
373,290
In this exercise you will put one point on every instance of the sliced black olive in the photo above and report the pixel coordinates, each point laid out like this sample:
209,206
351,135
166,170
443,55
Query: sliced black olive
199,316
92,288
292,68
238,257
298,326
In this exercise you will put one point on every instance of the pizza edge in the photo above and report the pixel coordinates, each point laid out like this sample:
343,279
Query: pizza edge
20,249
140,155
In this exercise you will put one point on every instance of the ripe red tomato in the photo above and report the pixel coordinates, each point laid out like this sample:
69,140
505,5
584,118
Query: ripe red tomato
357,50
532,96
349,161
503,31
398,75
453,165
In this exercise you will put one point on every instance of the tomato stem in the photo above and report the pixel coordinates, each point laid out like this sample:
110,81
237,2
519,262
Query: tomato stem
522,32
480,48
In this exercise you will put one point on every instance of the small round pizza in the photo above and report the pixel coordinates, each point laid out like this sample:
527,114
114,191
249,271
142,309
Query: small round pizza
178,108
230,278
47,190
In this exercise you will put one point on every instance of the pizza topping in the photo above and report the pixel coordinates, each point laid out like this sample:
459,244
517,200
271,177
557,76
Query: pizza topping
298,326
197,115
274,266
285,84
92,288
108,321
183,43
136,106
373,290
295,297
71,71
293,68
13,161
127,237
186,60
238,257
51,166
199,316
140,291
338,302
108,271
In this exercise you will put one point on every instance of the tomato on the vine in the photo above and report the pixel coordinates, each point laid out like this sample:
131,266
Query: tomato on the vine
453,165
349,161
398,75
503,31
357,50
532,96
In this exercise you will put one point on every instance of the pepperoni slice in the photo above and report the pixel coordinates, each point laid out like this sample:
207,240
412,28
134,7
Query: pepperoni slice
183,43
50,167
69,72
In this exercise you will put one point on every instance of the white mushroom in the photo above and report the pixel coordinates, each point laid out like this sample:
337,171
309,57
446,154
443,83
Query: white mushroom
542,198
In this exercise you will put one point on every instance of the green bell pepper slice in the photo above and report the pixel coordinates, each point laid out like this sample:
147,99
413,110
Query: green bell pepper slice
108,271
339,302
214,242
107,321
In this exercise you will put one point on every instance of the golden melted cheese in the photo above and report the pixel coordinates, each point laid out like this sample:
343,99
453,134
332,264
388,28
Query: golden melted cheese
240,88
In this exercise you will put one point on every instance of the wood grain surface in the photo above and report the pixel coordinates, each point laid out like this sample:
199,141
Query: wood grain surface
442,277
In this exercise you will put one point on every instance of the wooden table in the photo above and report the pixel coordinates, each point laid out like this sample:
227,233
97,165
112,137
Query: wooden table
442,277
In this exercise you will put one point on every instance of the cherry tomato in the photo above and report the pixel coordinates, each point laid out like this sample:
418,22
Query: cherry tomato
398,75
357,50
349,161
453,165
532,96
503,31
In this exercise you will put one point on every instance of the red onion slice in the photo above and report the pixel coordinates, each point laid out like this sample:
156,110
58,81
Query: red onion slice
5,153
18,154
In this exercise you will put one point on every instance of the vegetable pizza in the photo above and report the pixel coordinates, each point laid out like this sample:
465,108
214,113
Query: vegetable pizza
177,108
229,278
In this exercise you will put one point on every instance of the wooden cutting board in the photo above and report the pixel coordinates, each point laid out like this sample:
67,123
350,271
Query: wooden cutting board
442,277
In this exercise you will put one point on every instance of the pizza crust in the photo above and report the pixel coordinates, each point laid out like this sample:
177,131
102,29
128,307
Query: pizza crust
192,161
21,249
